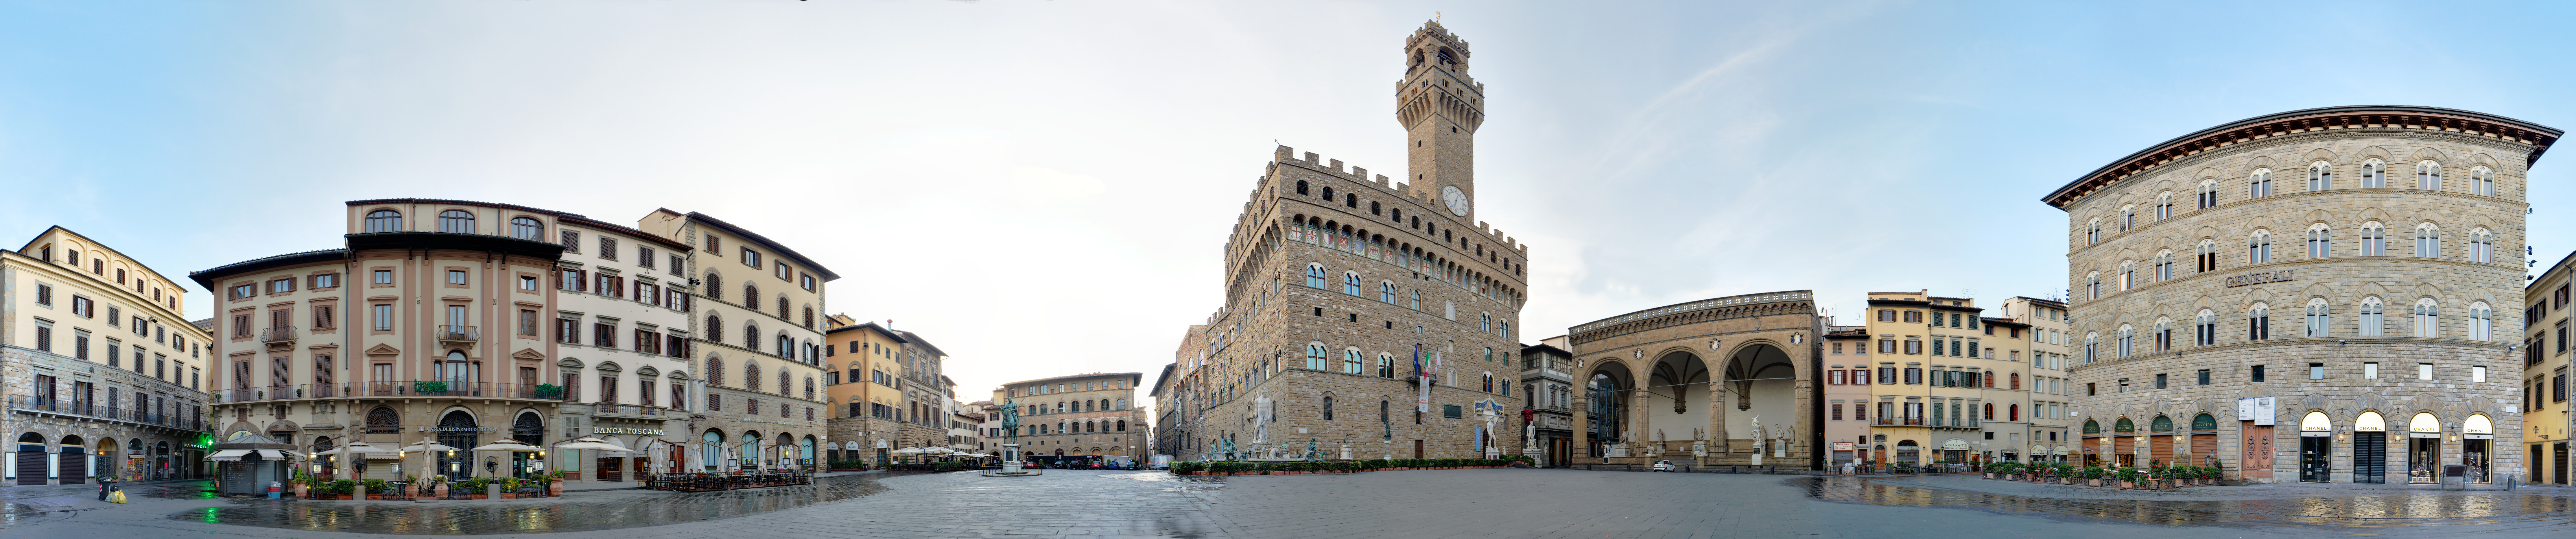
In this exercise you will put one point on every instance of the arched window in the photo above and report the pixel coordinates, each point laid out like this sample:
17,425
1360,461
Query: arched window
2124,337
782,306
2373,316
1351,361
2207,259
2164,334
2481,245
751,336
1385,365
2164,265
2258,322
715,371
2320,176
2374,239
1489,382
2016,412
2428,240
2128,275
2481,321
809,317
456,221
2482,181
1328,408
751,296
2092,347
1386,292
2260,184
1122,405
2319,244
383,420
715,286
2208,192
2374,174
1315,357
1417,300
2428,175
377,221
751,376
1122,425
1351,200
2205,328
2164,206
1328,194
2128,217
2093,232
2427,318
1485,321
2258,247
1314,275
809,388
527,229
2316,317
1301,187
1990,411
2016,381
2093,285
1350,283
715,328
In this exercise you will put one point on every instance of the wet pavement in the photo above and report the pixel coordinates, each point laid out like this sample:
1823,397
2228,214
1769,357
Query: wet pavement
1442,503
2525,509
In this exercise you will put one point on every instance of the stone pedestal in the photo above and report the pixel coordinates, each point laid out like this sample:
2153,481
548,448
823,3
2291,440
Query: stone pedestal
1010,458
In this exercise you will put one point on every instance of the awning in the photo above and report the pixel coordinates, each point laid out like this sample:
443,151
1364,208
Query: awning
228,454
273,454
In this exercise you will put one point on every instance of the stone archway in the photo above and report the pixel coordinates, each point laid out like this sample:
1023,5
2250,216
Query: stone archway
1605,410
1759,400
457,429
1675,403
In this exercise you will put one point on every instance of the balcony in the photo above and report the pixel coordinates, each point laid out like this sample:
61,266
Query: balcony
630,410
285,334
459,333
140,416
425,388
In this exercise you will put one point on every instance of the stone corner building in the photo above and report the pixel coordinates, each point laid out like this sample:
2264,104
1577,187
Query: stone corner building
2309,296
103,373
1346,294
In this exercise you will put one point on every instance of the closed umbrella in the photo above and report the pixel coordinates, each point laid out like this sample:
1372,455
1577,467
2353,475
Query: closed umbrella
506,444
591,443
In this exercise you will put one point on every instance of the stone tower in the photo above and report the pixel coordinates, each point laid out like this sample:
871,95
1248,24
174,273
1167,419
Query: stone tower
1440,108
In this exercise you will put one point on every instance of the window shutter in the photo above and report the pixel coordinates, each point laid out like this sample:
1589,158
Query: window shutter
571,387
241,327
322,316
572,241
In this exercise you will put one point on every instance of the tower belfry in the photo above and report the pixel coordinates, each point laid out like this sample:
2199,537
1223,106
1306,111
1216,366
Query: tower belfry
1440,108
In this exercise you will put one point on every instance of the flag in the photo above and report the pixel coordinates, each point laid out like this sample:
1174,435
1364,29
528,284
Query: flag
1421,404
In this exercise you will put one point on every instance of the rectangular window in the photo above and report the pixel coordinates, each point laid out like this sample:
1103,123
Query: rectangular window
2316,371
644,257
2423,371
1914,317
676,266
1834,377
456,277
1887,346
1913,375
384,317
2088,389
608,248
384,276
45,295
327,280
527,322
2160,381
1837,411
2478,373
2204,377
2255,374
2370,370
1886,315
571,241
1887,375
1913,346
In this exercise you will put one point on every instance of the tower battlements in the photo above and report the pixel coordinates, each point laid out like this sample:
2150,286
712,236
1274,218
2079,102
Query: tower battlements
1360,176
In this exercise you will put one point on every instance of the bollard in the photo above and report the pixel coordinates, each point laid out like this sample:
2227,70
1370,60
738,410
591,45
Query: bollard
274,488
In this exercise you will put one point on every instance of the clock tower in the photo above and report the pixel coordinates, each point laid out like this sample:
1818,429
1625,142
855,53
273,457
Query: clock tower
1440,108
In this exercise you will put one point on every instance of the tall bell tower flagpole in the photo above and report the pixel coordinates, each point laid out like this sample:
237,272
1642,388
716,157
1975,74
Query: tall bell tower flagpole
1440,108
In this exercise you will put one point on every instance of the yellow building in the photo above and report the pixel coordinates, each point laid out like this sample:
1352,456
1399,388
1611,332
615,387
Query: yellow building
2545,365
1930,382
867,401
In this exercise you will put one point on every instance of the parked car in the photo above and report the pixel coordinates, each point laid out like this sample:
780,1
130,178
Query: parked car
1666,466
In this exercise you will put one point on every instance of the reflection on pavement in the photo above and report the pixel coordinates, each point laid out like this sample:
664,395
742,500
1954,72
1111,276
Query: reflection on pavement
2515,511
625,509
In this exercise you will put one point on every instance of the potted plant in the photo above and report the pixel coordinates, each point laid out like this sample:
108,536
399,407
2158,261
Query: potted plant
474,488
297,481
344,488
376,488
554,480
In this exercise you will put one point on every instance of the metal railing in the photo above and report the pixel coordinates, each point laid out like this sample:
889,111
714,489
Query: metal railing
423,388
277,334
630,409
145,416
460,333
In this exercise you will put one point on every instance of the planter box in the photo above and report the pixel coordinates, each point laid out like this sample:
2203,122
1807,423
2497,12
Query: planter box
343,497
378,497
476,496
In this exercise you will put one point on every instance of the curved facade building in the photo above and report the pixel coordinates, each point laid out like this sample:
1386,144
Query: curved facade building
2323,295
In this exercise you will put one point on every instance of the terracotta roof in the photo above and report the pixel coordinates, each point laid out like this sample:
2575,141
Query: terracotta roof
2539,136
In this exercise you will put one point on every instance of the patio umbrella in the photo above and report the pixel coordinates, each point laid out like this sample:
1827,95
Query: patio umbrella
355,448
591,443
426,445
506,444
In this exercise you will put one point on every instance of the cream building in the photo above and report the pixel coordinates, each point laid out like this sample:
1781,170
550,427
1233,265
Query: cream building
2546,353
103,373
2044,351
2318,290
1080,419
622,335
758,341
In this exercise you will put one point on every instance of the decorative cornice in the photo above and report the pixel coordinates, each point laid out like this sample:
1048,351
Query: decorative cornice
2540,137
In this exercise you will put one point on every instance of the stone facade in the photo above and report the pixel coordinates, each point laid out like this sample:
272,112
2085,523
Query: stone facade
1336,281
1547,402
756,334
2550,305
78,321
2289,245
1716,382
1084,418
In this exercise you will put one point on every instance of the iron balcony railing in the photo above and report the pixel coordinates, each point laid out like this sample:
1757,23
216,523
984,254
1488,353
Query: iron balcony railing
174,417
459,333
629,409
422,388
277,334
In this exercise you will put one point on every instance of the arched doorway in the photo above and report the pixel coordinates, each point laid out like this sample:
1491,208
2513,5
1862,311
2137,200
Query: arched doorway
457,429
109,456
1677,400
31,459
529,428
1605,403
785,452
1762,385
711,449
749,450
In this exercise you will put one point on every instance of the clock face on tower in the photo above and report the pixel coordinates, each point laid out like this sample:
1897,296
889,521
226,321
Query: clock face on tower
1457,199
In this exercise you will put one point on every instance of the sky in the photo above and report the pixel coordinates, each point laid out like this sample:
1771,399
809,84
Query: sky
1044,188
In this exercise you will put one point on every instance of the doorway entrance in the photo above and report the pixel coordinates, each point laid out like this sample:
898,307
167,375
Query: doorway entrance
1560,452
2257,453
612,468
2314,466
2422,460
2370,457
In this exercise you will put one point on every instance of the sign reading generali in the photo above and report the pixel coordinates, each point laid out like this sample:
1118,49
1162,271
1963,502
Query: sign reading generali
2258,278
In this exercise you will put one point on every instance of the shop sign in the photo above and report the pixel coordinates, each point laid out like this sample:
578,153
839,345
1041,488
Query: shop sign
2251,279
1842,446
627,430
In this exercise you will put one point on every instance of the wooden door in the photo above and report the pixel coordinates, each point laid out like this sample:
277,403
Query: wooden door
1417,449
2256,451
1560,452
2370,457
612,469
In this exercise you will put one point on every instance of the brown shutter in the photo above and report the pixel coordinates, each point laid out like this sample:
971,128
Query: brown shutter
571,387
644,392
679,397
277,318
241,326
607,389
322,316
278,377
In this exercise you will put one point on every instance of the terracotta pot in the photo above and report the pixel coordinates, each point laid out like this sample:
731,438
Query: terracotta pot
476,496
375,496
345,497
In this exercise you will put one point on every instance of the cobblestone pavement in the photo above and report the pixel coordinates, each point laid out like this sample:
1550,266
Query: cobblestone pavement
1441,504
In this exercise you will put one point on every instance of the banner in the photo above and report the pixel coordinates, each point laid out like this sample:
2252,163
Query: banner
1421,404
